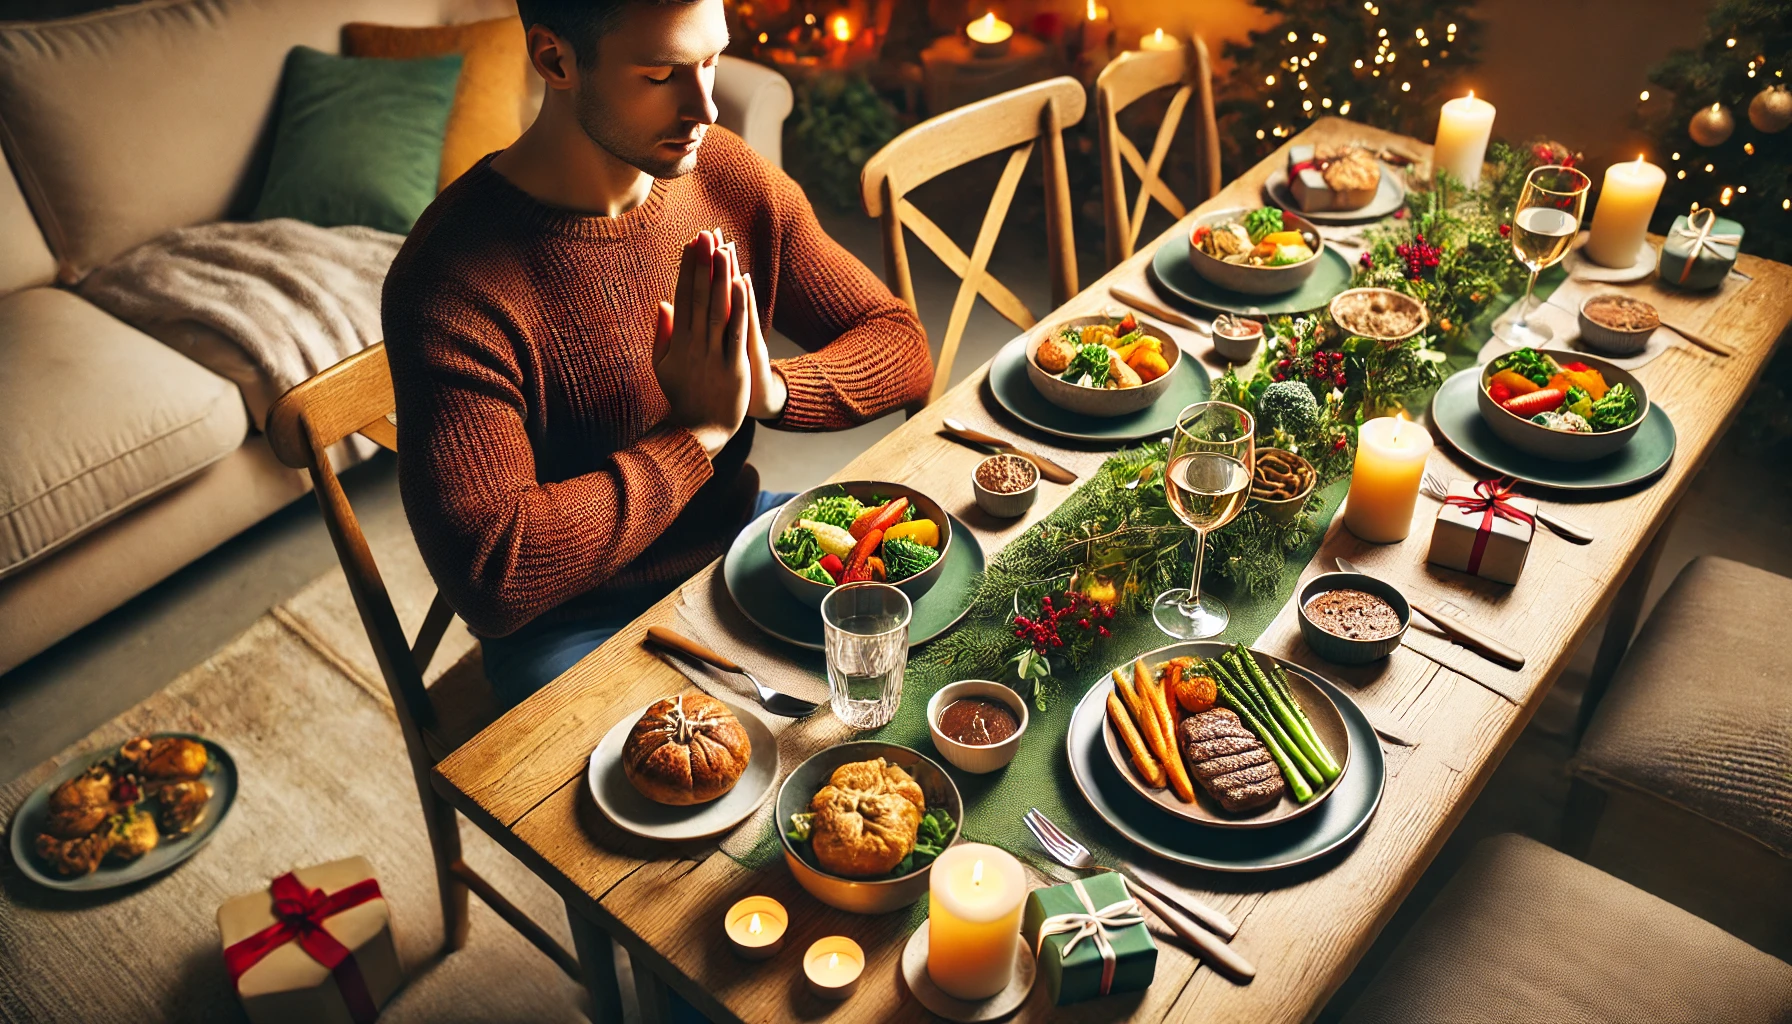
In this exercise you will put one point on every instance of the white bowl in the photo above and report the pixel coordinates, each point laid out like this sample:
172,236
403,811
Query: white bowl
1005,505
1100,401
1611,340
978,760
1237,350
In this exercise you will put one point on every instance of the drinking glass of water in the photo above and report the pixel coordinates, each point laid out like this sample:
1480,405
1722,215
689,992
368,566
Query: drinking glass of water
1544,224
865,635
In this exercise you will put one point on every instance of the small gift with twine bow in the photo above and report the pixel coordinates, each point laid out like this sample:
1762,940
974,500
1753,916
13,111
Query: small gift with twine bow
315,946
1699,250
1484,530
1090,939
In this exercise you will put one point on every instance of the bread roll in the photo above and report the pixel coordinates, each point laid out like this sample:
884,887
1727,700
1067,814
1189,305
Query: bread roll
688,749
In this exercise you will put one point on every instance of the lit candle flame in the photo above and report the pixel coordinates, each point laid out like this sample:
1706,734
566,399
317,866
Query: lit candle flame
1158,35
1091,10
841,28
1399,425
754,927
1471,94
977,873
833,960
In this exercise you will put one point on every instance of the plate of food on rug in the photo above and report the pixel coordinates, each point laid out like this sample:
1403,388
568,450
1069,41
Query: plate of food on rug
123,814
1342,183
685,767
1102,365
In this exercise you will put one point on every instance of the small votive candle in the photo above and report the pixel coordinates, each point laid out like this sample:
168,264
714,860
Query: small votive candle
1157,40
1384,487
833,966
756,927
989,35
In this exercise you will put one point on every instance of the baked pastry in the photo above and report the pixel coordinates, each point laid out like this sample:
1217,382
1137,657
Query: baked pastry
171,757
81,804
866,819
1333,178
688,749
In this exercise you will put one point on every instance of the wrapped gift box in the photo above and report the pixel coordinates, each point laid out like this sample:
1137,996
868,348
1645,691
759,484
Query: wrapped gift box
1089,934
315,947
1698,257
1484,531
1312,193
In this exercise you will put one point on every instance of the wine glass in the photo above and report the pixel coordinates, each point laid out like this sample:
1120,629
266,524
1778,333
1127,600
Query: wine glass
1208,481
1544,224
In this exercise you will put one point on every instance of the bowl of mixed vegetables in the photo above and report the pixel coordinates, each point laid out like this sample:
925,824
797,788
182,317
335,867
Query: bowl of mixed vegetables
1261,251
1561,405
855,531
1102,365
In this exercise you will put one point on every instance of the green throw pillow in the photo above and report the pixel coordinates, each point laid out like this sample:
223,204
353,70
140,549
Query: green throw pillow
359,140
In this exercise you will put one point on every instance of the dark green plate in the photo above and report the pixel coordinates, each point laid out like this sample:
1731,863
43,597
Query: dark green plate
752,580
1008,381
1172,272
1353,800
1457,414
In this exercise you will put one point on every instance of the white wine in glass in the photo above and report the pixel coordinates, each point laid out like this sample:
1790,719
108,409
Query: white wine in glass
1208,482
1206,489
1544,224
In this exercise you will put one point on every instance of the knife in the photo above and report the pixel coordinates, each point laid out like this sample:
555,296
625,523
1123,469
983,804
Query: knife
1152,307
1047,468
1475,640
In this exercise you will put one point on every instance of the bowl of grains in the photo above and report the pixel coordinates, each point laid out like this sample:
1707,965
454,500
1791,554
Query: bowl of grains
1379,314
1281,483
1006,485
1352,619
1617,324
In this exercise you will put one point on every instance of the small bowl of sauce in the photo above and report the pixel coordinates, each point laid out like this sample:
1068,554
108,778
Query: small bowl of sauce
1352,619
977,724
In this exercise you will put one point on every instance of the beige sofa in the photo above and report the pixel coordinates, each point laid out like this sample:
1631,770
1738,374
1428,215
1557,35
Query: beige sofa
121,458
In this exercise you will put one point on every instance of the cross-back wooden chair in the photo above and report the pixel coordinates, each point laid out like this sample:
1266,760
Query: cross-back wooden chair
1015,121
1129,77
354,397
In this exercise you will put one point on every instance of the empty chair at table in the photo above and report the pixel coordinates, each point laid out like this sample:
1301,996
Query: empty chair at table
1129,78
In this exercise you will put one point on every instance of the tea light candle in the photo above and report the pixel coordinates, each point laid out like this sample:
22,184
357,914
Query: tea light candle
1157,40
989,35
1626,203
974,899
833,966
756,927
1390,460
1463,127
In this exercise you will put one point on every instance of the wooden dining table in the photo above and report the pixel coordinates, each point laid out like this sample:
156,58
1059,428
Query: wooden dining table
523,779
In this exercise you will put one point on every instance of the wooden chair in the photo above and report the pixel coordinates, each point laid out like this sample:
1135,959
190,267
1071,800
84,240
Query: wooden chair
355,397
1015,121
1123,82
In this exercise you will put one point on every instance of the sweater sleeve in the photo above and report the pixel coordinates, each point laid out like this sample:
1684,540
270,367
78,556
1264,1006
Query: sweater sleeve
503,546
867,354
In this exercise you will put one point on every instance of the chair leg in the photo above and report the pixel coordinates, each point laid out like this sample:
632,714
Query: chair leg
1620,626
443,825
597,962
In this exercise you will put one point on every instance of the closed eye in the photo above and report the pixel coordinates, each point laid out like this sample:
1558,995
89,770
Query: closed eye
659,76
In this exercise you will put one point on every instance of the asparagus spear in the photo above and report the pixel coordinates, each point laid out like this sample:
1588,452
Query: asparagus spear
1297,783
1241,681
1281,681
1302,737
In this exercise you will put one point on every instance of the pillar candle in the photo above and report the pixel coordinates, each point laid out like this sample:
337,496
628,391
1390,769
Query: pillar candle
1463,128
974,899
1626,203
1097,30
1390,459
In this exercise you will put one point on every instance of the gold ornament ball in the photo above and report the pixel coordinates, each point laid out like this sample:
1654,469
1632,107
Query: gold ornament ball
1711,125
1771,109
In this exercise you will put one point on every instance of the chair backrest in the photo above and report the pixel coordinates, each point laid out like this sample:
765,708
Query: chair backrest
1127,78
1013,121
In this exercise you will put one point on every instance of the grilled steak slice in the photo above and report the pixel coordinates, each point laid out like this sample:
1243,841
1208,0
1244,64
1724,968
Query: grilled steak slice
1228,760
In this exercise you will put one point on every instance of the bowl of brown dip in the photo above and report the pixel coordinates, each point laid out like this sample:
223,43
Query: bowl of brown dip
977,724
1005,485
1352,619
1379,314
1617,324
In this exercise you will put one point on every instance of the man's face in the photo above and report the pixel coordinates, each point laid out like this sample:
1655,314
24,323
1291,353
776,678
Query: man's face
649,99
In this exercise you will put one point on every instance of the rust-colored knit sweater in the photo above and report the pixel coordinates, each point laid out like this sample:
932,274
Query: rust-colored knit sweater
535,465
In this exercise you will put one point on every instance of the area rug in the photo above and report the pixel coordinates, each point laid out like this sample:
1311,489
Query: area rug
323,775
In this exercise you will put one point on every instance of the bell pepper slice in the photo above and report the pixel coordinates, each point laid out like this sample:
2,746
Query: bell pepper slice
922,531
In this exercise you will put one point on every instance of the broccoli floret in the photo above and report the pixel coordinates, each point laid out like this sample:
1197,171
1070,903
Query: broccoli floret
904,558
1290,406
813,571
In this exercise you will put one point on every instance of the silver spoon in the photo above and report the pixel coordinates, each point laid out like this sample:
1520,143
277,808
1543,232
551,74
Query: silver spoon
1435,487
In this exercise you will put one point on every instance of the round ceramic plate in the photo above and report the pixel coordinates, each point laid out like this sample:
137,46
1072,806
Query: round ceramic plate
1335,822
1206,810
220,774
1014,392
1172,272
1388,197
966,1011
752,581
1458,417
624,805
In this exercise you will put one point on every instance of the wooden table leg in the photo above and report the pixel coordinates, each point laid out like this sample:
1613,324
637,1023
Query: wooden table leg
1621,623
650,992
597,965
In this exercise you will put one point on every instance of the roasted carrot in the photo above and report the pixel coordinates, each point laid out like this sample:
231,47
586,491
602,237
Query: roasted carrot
1149,726
1149,770
1172,756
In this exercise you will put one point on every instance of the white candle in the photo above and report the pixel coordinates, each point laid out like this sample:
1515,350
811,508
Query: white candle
833,966
1622,217
1384,487
1463,128
989,35
756,927
1157,40
1097,29
974,899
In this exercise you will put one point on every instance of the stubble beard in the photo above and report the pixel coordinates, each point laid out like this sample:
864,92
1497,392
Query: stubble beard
602,129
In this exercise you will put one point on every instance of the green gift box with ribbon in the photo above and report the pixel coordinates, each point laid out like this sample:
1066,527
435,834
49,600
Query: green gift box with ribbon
1090,938
1699,250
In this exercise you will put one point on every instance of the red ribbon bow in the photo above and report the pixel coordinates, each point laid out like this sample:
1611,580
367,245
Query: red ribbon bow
300,914
1490,500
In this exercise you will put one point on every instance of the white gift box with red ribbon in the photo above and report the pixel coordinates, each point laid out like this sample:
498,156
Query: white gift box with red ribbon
1484,529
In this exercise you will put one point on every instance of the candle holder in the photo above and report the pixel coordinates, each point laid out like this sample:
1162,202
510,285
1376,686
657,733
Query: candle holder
755,927
833,966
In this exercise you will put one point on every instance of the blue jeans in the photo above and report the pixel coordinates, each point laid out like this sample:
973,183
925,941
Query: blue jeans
532,657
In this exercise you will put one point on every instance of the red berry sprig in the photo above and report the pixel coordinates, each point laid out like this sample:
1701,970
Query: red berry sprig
1044,632
1419,256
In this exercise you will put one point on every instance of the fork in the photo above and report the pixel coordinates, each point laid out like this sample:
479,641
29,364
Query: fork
1434,486
1072,854
778,703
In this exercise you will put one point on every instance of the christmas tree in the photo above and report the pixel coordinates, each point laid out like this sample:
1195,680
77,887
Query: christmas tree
1382,62
1724,123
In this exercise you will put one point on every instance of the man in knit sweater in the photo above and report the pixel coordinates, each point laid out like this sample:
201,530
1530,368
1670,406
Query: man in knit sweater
574,329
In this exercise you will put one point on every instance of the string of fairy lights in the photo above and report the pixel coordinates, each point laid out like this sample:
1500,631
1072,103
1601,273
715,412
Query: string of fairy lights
1711,127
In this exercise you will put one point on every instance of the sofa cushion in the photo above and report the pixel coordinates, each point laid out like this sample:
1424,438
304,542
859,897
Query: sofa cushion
25,258
494,73
125,123
95,417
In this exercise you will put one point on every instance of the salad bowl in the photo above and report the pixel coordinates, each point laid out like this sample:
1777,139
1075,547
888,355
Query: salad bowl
1100,401
1246,278
1533,438
868,493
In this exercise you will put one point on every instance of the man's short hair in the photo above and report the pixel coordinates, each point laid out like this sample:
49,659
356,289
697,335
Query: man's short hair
580,22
